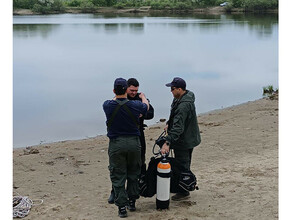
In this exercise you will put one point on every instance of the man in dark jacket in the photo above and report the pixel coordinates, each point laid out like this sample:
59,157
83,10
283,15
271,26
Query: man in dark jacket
182,127
124,146
132,91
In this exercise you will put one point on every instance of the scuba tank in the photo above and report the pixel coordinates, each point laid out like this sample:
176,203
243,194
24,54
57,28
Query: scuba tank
163,184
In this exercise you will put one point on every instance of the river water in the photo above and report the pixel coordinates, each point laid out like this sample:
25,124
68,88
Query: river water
64,66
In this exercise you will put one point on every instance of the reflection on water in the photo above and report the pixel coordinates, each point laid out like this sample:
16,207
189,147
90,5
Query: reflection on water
136,28
65,65
111,28
33,30
261,24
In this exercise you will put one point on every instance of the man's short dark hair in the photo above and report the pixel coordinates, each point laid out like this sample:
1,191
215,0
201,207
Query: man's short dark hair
120,90
133,82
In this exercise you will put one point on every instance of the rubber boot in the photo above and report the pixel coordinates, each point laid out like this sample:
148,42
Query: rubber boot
111,199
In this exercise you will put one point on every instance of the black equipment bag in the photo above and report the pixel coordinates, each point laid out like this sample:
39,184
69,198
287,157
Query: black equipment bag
181,181
187,181
147,182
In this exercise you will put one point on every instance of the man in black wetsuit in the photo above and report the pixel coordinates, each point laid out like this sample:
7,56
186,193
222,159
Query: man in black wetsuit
132,91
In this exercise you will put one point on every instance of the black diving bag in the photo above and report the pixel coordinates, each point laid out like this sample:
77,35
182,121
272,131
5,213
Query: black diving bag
187,181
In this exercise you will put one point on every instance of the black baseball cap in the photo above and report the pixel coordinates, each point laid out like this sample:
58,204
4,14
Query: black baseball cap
120,82
177,83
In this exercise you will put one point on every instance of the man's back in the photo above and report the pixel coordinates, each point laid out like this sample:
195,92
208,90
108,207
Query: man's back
124,122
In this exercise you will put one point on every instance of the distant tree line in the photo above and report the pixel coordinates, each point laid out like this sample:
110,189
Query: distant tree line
49,6
40,6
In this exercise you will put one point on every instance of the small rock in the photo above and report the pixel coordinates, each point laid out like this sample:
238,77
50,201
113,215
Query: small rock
29,150
57,209
50,163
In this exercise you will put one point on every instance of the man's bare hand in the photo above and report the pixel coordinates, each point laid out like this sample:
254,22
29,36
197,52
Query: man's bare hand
144,100
142,95
165,128
164,149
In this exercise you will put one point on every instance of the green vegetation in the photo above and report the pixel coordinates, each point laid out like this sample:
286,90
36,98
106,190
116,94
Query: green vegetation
58,6
40,6
270,92
253,5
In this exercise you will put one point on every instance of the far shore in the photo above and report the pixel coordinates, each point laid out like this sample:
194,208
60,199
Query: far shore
111,10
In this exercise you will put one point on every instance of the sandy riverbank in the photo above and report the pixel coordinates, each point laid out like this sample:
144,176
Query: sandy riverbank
236,165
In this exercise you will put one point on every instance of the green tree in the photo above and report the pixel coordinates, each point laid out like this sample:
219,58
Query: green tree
209,2
57,5
87,6
73,3
27,4
99,3
237,3
47,6
260,4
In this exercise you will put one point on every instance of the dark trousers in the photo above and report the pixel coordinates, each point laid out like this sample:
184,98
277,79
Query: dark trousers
124,165
143,152
184,157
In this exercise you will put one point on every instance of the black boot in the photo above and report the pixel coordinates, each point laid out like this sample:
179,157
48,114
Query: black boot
111,199
123,211
131,205
181,196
